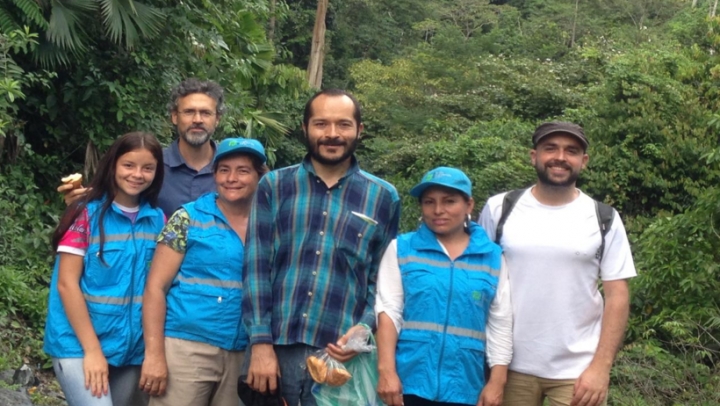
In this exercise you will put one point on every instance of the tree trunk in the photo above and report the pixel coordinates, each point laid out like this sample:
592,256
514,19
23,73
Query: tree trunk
317,49
271,23
714,9
694,3
572,38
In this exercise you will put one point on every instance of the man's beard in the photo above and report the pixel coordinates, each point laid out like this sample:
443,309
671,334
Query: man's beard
544,177
314,150
196,139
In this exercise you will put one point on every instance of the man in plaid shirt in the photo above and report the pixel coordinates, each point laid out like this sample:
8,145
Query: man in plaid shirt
316,234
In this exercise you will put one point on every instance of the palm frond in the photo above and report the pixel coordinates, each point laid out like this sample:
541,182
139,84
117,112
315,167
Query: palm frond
32,11
152,21
64,29
269,121
49,55
7,21
123,19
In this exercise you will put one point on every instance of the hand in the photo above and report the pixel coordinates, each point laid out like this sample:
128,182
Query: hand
492,394
390,389
336,351
153,379
591,387
71,195
264,369
95,368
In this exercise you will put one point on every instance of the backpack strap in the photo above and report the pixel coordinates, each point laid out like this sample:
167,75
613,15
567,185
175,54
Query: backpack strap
509,201
605,215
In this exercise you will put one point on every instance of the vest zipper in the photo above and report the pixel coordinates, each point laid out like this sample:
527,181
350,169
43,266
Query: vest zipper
132,290
237,330
445,326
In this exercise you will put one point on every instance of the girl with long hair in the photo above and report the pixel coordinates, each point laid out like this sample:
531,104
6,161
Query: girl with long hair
104,245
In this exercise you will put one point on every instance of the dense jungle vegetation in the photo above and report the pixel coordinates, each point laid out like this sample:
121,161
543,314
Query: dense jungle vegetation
442,82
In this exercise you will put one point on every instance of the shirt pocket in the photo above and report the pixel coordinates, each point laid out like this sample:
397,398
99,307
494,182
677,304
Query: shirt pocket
354,238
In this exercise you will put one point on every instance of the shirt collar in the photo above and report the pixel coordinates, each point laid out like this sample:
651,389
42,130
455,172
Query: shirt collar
145,209
207,204
424,239
173,158
354,167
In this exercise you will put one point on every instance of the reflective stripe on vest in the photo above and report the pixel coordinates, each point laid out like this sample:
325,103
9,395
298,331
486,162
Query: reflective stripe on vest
440,264
95,239
439,328
210,282
113,300
209,224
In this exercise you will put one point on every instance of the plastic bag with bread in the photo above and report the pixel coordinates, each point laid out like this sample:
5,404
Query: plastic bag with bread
327,370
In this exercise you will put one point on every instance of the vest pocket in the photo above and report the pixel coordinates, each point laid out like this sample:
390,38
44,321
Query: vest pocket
471,357
212,312
109,322
109,270
416,359
480,292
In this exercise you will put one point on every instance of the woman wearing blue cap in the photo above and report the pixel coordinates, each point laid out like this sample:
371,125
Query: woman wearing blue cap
194,337
443,304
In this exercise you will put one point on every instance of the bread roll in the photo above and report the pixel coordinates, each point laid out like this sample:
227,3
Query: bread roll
75,179
338,377
318,368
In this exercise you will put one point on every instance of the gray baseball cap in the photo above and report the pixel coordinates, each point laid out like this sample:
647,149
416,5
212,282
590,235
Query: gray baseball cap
558,127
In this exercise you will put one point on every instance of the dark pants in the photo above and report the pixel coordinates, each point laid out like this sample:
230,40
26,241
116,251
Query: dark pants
412,400
296,383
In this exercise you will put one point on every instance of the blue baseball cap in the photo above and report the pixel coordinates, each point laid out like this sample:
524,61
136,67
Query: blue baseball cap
232,145
452,178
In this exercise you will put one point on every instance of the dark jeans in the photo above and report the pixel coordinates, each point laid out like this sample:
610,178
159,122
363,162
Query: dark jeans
296,383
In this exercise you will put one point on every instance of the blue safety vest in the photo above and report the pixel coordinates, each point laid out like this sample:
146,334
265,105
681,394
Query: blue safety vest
441,348
112,288
205,299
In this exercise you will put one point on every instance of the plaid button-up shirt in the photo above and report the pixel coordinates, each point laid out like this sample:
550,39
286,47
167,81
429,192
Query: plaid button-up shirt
312,254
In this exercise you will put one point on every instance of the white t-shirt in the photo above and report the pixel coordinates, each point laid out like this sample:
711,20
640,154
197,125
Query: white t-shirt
391,301
557,307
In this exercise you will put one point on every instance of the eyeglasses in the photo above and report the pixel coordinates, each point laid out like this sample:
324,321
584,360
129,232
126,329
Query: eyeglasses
190,113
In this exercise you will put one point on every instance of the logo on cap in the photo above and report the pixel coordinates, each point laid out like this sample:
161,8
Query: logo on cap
436,175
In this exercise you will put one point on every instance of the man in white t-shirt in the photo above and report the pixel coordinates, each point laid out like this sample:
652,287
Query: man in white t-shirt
564,336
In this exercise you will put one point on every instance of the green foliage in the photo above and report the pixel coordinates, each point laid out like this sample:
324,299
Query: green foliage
27,224
676,294
30,11
54,123
648,124
646,373
460,83
68,34
491,153
646,93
